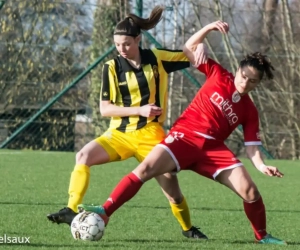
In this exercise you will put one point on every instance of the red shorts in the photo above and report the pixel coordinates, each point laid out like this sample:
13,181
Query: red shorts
190,151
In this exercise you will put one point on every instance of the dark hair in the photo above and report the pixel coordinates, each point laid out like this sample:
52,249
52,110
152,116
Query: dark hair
259,62
133,24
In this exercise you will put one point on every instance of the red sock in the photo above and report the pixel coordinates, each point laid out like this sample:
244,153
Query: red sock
256,213
124,191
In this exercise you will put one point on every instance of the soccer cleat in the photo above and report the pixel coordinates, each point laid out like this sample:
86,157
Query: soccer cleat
195,233
269,239
95,209
65,215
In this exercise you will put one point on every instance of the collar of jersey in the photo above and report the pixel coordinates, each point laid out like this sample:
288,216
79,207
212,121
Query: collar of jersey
126,67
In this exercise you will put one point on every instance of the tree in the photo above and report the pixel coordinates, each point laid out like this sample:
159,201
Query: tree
40,44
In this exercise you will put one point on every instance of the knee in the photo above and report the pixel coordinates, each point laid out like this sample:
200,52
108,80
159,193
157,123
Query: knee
175,198
251,194
82,157
145,171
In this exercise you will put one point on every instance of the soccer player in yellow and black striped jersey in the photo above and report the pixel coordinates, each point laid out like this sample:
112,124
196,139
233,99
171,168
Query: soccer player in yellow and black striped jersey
125,85
134,95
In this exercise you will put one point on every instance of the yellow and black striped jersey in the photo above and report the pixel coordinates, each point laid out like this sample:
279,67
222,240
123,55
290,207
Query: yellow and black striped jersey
126,86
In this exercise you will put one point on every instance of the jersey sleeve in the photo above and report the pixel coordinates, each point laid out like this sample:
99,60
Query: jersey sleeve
108,89
172,60
251,128
211,68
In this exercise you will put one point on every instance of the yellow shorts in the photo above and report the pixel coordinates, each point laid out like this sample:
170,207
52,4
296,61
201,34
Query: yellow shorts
138,144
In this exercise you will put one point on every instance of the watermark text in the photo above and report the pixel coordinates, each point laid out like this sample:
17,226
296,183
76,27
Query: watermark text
7,239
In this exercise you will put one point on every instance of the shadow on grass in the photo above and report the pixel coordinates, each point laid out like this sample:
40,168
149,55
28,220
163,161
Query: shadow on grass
241,242
93,245
142,207
146,240
215,209
31,203
72,246
293,243
183,240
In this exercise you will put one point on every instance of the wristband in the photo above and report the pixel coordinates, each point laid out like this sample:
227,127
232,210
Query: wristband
261,167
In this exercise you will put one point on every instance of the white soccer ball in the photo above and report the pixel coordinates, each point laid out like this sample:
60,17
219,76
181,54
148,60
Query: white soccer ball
87,226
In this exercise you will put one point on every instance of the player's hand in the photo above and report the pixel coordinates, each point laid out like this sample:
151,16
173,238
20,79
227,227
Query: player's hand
150,110
271,171
221,26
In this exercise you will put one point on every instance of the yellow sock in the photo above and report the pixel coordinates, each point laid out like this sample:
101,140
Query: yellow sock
182,213
79,183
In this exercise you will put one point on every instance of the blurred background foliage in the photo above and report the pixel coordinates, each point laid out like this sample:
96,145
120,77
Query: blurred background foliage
46,44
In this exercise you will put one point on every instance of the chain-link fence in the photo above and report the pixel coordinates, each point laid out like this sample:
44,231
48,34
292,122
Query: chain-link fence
46,44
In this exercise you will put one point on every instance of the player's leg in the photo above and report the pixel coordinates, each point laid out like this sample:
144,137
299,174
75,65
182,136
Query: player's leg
91,154
240,182
170,187
157,162
96,152
168,156
147,138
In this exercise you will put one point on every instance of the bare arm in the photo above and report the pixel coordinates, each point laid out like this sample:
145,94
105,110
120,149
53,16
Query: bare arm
110,110
254,155
190,47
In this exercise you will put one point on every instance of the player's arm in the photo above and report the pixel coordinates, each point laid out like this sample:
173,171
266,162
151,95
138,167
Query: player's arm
107,108
191,46
252,142
172,60
108,98
254,155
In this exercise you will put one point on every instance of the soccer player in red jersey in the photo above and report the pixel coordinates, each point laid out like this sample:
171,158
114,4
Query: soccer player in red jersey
196,140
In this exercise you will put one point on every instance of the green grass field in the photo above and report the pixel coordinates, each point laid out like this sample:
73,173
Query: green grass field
36,183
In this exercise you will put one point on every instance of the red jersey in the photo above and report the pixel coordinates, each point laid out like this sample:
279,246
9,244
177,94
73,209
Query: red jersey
217,109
